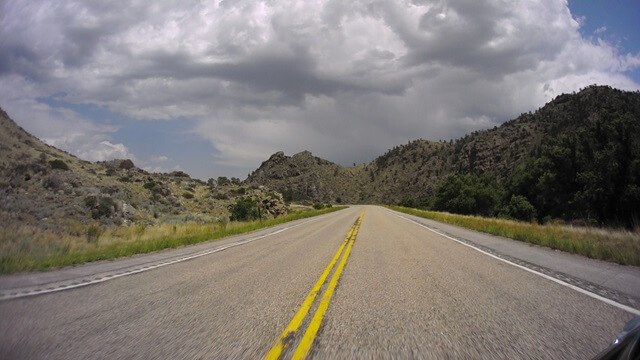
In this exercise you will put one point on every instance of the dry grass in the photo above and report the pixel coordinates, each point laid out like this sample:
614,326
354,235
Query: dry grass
620,246
24,248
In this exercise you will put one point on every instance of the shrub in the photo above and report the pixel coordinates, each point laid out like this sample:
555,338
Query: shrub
90,201
149,185
126,164
221,196
519,208
318,206
104,206
180,174
52,182
93,234
187,195
272,195
58,164
239,191
222,180
244,209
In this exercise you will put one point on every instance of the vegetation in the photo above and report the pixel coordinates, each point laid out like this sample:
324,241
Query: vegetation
576,159
150,185
59,164
289,195
591,174
244,209
103,206
93,233
468,194
24,248
223,180
620,246
518,208
187,195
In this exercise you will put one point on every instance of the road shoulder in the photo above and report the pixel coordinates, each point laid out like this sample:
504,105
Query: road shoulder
616,282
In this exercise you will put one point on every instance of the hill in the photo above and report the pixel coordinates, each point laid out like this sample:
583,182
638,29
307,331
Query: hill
307,177
414,170
44,188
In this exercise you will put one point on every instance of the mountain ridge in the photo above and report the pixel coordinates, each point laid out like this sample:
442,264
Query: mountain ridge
414,169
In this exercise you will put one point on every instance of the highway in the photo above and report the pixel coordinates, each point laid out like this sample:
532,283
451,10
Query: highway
392,289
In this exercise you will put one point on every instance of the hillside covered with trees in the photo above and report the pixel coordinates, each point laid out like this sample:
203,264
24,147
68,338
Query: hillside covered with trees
577,159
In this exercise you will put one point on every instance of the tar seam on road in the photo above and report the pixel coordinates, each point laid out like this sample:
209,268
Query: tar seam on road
558,281
312,330
137,269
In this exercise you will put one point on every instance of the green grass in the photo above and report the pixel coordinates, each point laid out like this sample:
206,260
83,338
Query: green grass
52,251
622,247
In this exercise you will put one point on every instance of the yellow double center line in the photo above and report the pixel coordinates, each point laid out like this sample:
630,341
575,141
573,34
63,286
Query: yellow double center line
310,334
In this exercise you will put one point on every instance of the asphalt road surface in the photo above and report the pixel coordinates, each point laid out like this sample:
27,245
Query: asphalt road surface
402,292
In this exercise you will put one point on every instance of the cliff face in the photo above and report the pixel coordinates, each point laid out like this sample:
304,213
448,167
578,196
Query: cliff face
414,169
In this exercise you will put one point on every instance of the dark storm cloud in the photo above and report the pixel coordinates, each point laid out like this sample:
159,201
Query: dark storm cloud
293,75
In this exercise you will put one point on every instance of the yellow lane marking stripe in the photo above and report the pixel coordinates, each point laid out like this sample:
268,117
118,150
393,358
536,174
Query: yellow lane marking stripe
316,321
277,349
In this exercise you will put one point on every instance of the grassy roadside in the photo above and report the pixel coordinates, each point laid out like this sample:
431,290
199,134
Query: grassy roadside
137,239
622,247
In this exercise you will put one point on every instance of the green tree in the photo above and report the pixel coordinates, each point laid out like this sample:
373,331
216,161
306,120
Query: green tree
244,209
318,206
519,208
223,180
468,195
591,173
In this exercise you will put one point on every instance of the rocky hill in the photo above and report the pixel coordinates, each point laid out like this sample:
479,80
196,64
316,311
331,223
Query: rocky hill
44,188
307,177
413,170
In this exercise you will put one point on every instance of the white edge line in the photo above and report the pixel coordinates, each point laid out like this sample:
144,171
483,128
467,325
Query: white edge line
558,281
22,294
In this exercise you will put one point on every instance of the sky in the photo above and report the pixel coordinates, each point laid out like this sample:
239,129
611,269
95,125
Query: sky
215,87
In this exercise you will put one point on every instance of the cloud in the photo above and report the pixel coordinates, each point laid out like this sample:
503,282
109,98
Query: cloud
160,158
59,127
346,80
161,169
600,30
100,151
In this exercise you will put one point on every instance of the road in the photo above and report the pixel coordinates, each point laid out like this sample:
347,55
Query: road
403,292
